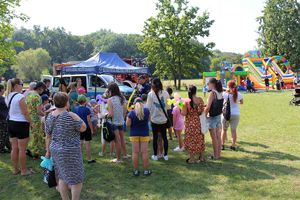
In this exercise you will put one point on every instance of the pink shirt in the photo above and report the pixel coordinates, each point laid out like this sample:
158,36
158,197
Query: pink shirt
178,119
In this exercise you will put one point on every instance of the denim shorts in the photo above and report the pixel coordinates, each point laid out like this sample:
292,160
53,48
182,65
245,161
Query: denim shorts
117,127
214,122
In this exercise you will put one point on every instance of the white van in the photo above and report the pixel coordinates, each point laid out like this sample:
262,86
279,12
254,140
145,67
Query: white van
90,82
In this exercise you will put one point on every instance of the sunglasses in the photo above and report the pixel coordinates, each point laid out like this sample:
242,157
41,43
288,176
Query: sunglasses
21,84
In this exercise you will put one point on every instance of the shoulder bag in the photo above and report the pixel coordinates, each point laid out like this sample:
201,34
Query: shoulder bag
226,109
8,106
168,125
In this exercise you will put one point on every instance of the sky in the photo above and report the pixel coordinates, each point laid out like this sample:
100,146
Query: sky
234,29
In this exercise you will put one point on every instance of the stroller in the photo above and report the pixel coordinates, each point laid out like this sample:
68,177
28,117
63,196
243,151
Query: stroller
296,100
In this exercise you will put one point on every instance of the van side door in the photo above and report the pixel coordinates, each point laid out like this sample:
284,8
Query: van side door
95,82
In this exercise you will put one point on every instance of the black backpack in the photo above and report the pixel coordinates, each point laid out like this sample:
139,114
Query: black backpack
216,107
226,110
108,133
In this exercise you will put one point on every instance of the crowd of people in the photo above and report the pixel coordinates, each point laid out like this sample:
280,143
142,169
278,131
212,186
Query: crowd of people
36,126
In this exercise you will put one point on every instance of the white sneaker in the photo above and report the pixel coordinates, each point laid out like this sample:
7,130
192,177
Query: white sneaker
100,154
177,149
166,158
153,157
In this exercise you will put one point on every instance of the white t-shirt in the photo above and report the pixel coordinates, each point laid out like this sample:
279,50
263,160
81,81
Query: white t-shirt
156,112
15,112
295,80
234,106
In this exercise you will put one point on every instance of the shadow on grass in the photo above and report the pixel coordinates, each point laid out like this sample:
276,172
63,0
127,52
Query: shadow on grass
170,180
253,144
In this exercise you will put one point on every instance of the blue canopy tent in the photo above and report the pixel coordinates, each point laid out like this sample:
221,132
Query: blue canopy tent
104,63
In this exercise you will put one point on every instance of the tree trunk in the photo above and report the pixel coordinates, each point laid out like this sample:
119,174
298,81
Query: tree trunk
179,82
175,82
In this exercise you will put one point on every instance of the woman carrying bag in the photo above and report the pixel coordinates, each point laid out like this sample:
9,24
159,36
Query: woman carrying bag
157,104
235,98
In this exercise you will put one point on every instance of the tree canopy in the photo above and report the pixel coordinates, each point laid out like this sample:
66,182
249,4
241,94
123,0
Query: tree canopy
7,14
170,39
280,30
30,64
61,45
219,57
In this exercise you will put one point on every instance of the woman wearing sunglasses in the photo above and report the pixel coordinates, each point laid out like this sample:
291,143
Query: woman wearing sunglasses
18,125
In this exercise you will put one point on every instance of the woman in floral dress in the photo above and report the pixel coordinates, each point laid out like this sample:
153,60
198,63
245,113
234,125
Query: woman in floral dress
34,104
194,139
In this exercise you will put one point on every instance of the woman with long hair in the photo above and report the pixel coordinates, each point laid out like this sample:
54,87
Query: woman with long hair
117,111
63,145
214,110
35,108
157,104
18,125
73,96
194,140
235,99
137,120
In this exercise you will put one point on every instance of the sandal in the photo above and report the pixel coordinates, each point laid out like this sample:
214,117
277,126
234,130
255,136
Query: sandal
17,172
136,173
147,172
28,172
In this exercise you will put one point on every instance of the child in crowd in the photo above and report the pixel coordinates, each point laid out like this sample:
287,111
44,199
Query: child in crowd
178,124
95,109
85,137
204,89
45,102
169,111
137,121
102,102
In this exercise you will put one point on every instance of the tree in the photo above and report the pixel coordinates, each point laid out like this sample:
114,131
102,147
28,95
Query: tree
126,45
170,39
7,14
219,57
30,64
62,46
279,30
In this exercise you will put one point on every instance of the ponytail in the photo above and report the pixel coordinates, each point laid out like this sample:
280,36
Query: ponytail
139,110
191,92
9,87
235,94
233,88
219,86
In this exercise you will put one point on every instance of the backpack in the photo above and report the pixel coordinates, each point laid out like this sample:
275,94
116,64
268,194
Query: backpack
108,133
216,107
226,110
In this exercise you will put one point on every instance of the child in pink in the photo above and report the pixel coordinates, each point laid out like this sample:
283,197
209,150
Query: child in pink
178,125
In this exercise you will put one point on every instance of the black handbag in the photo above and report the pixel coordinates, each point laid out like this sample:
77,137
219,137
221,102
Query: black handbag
216,107
226,110
108,133
168,124
49,178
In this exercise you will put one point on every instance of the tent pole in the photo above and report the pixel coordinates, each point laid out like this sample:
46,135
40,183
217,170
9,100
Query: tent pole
95,94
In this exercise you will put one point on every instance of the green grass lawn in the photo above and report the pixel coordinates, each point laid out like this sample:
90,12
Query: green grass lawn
266,166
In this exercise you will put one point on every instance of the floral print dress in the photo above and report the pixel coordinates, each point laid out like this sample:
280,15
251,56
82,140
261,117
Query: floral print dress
37,141
194,140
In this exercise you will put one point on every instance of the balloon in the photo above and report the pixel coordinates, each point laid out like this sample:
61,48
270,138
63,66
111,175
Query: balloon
171,102
100,99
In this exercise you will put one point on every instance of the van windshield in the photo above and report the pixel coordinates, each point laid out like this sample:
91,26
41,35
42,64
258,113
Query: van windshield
109,79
